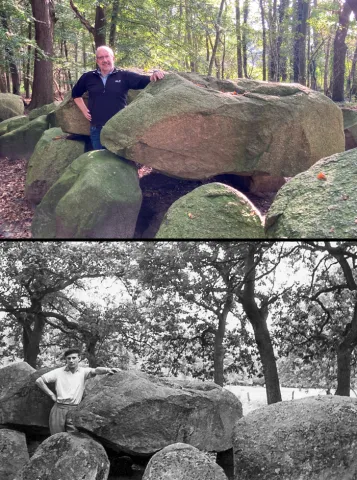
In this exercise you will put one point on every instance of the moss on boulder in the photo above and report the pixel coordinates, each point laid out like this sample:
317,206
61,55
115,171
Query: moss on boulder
309,206
47,163
98,196
13,123
10,106
214,210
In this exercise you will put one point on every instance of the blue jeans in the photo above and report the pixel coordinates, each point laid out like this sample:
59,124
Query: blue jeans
95,137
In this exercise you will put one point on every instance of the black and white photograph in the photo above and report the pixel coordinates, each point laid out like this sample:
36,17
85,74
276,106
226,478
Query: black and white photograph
178,360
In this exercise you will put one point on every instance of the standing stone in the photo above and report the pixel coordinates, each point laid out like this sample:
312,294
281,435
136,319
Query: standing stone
313,438
182,462
13,453
65,456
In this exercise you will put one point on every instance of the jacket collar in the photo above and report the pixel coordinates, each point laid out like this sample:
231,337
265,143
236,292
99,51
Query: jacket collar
66,369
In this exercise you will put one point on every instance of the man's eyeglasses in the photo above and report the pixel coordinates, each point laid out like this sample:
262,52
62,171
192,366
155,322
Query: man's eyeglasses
104,57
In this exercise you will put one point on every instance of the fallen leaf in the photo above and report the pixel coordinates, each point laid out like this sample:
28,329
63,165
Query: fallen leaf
321,176
190,215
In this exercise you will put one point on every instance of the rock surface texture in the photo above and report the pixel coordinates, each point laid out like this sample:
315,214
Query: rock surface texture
21,142
182,462
66,456
214,210
22,403
140,414
10,106
47,163
13,453
98,196
318,203
187,129
314,438
350,127
70,118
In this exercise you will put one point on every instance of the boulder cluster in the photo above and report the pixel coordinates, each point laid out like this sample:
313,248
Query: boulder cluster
165,428
195,128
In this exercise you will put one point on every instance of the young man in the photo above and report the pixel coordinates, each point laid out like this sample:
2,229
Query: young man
69,384
107,88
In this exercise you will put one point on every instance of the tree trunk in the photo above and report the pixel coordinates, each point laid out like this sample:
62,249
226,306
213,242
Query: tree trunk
32,338
28,64
273,50
99,27
344,354
257,317
353,79
91,344
264,38
42,90
219,350
326,69
113,24
244,37
302,12
239,41
339,55
282,69
218,33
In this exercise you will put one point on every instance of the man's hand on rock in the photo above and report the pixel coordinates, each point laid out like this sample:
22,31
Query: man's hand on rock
111,371
157,75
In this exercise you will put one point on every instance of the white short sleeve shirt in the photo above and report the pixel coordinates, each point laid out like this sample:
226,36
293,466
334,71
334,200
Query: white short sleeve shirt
69,386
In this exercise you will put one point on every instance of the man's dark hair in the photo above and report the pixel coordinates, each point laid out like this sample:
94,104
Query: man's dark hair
72,350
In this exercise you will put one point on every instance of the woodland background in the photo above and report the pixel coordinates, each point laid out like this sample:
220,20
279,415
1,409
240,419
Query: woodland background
45,45
280,313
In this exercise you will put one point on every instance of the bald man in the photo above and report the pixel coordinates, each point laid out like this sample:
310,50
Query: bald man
108,88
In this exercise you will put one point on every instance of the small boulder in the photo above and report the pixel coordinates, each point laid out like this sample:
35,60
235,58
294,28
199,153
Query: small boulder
182,462
318,203
139,414
12,123
21,142
214,210
70,118
67,456
48,162
13,453
313,438
98,196
10,106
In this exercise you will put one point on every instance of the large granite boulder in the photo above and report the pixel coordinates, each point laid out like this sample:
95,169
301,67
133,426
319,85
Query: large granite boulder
13,123
182,461
318,203
139,414
22,403
192,131
214,210
70,118
48,162
309,439
10,106
66,456
12,375
21,142
13,453
350,127
98,196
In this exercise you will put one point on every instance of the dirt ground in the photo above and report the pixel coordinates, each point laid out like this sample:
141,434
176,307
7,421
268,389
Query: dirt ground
159,192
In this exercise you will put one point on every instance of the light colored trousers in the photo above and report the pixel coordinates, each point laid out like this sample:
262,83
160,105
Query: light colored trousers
59,421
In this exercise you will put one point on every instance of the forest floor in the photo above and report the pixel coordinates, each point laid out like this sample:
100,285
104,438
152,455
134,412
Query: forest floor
159,192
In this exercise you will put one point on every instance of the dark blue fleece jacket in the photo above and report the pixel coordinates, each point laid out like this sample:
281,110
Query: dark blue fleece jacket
106,101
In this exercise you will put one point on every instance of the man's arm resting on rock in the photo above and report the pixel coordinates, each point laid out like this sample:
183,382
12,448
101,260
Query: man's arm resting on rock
83,107
104,370
42,385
